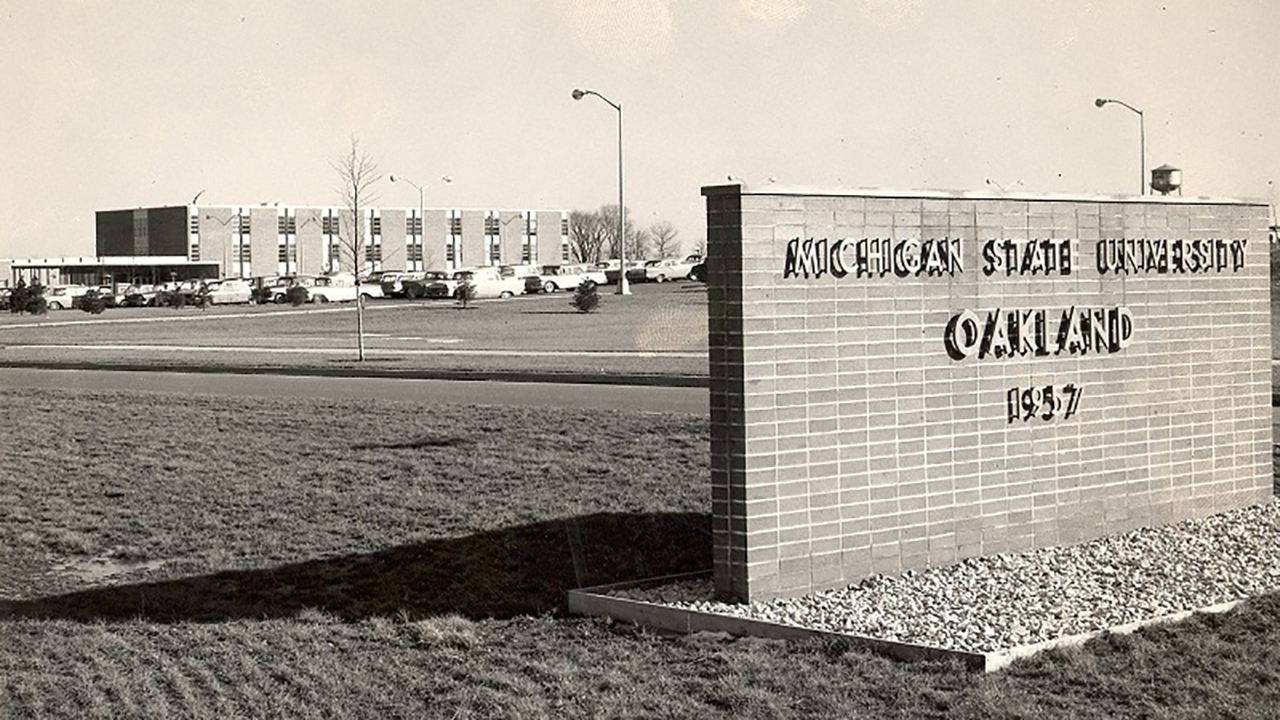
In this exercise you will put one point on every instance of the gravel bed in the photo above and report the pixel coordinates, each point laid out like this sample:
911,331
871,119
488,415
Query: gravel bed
999,602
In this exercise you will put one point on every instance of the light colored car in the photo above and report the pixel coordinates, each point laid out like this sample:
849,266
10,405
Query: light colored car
231,291
489,283
566,277
392,283
340,287
519,271
671,269
63,297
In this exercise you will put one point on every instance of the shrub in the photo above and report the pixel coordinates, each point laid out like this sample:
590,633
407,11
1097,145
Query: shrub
296,295
18,298
201,299
170,298
92,302
28,299
586,298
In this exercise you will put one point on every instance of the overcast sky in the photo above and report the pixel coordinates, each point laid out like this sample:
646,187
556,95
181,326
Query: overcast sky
125,103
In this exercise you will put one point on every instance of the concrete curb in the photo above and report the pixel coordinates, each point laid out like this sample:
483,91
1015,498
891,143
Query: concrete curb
521,376
594,601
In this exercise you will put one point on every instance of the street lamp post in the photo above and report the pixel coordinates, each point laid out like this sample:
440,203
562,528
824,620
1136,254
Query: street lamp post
1142,139
623,287
421,223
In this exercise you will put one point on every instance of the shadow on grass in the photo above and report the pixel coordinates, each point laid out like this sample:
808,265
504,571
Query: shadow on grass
516,571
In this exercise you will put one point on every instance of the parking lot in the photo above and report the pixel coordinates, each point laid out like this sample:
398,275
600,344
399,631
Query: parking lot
660,329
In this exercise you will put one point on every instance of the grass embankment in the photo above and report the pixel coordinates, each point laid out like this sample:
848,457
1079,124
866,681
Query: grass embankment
206,557
661,329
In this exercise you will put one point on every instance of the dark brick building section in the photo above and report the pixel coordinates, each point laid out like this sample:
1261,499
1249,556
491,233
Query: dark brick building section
142,232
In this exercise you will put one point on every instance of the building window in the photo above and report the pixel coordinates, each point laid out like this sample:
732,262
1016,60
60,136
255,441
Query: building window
329,225
529,240
453,243
193,237
243,224
492,238
564,249
375,225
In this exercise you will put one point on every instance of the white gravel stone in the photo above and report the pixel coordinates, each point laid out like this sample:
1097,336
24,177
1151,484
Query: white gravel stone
995,603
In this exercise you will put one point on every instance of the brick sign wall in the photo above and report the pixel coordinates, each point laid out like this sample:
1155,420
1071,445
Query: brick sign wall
904,381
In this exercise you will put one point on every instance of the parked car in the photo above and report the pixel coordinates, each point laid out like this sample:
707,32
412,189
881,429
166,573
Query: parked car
564,277
138,295
63,297
671,269
392,283
340,287
445,287
368,288
105,292
521,272
489,283
230,291
417,287
699,272
111,295
640,272
280,288
612,273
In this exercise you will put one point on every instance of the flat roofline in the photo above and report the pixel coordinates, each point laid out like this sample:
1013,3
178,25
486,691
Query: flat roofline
122,260
890,193
233,206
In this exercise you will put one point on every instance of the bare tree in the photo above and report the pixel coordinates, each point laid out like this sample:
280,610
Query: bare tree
637,243
586,236
609,225
357,172
663,239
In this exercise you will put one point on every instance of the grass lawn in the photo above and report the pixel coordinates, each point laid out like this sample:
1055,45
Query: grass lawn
660,329
198,556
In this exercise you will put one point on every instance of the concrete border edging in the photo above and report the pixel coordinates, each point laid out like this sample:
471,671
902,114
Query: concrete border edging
595,602
513,376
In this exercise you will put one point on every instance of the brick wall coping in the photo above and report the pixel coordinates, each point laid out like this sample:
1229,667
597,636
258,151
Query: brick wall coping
819,191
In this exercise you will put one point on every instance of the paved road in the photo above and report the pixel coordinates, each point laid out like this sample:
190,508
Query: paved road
647,399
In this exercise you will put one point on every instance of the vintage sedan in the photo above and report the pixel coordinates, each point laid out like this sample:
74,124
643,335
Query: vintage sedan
340,287
138,295
63,297
489,283
228,292
671,269
419,287
279,290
